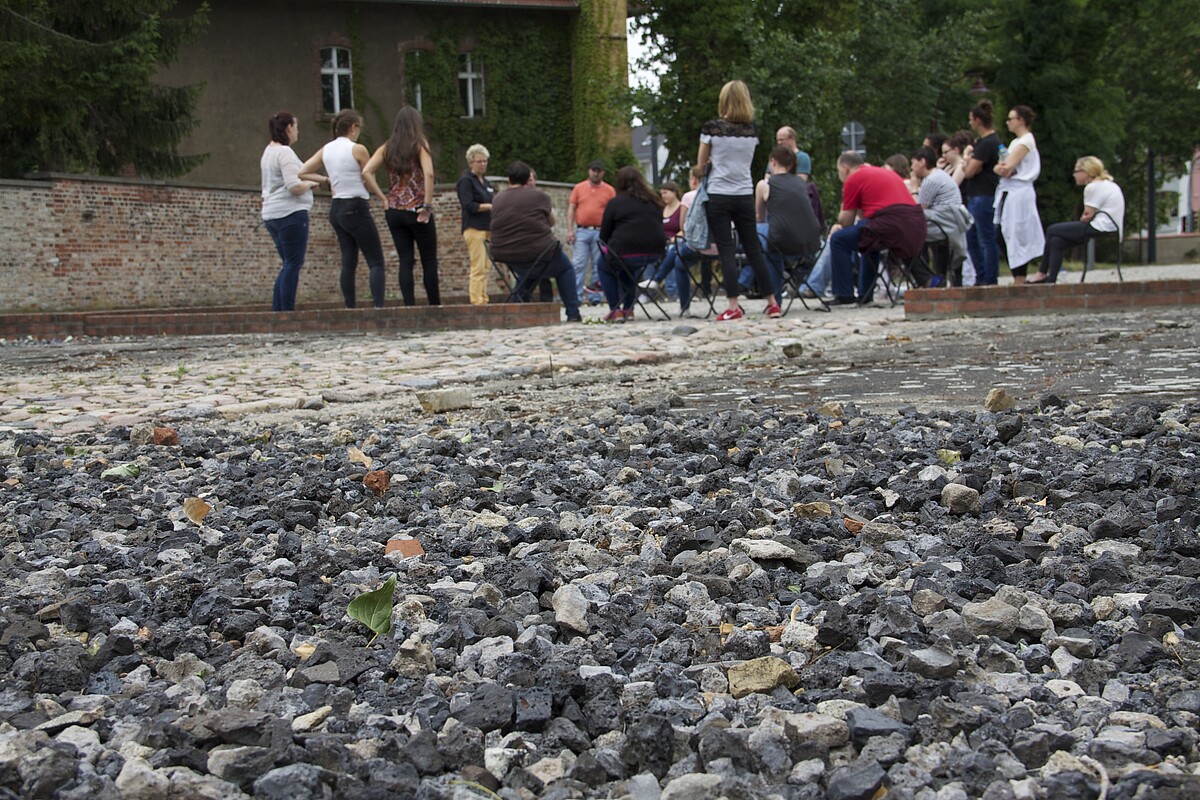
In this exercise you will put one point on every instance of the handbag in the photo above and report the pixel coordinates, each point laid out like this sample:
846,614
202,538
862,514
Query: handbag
695,227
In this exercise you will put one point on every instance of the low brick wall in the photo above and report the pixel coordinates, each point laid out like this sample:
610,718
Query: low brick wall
79,243
227,320
1061,298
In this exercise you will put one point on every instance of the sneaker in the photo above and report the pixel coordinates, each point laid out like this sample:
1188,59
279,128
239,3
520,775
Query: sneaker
648,286
616,315
729,314
808,294
843,301
629,313
644,298
774,311
575,318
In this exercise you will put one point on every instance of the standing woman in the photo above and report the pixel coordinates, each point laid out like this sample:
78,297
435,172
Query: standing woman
350,212
727,143
286,200
1100,194
475,195
410,192
1017,218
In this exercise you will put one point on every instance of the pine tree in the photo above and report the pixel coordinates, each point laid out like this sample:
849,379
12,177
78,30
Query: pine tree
76,88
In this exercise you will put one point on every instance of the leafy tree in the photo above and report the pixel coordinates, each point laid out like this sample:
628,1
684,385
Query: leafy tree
76,93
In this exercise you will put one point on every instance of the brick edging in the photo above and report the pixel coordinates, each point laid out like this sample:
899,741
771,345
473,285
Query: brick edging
226,320
1061,298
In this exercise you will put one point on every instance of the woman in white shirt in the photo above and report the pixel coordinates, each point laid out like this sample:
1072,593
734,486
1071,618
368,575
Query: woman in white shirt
286,200
350,212
1103,212
1016,216
727,143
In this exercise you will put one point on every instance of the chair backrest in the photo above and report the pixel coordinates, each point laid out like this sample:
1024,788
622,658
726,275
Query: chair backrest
1120,233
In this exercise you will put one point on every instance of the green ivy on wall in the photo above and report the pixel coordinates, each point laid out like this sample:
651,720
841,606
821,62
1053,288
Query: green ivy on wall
527,97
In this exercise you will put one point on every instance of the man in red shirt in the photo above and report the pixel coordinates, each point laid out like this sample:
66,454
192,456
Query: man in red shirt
585,211
888,219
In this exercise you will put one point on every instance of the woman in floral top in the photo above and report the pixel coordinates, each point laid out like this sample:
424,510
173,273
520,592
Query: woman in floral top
410,194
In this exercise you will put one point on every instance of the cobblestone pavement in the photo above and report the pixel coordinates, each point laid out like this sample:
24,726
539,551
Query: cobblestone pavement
871,356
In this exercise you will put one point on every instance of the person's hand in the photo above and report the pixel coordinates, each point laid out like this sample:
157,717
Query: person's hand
941,162
571,237
425,214
836,227
968,151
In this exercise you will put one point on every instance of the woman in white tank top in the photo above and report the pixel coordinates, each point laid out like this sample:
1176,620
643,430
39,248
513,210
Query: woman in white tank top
350,215
1016,215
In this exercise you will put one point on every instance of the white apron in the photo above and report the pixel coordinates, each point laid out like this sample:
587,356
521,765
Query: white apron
1017,216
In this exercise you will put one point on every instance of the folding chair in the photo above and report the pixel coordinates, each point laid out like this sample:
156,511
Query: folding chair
617,262
525,278
501,272
706,276
796,270
1089,261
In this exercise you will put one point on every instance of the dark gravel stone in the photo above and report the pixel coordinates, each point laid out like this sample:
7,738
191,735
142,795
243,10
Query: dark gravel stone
856,781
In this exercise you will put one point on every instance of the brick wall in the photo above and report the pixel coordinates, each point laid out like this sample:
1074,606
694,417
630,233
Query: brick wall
78,243
1061,298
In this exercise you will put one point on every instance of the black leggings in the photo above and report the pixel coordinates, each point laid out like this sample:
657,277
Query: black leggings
405,231
724,209
355,228
1060,237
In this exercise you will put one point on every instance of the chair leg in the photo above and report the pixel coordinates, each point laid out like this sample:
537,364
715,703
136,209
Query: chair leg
1089,258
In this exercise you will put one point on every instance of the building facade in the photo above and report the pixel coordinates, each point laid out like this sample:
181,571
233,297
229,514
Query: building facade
540,80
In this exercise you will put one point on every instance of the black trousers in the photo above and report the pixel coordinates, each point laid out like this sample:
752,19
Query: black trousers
1060,237
725,210
355,228
405,232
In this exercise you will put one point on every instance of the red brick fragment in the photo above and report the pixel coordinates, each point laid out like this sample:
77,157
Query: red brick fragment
409,548
378,481
166,437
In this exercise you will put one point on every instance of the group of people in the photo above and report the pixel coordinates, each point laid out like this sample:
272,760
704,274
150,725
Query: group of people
965,196
349,172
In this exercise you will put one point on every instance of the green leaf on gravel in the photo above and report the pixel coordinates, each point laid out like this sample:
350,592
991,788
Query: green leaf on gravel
374,609
123,472
949,457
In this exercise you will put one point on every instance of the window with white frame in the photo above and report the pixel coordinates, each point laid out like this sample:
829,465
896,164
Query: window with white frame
412,64
336,79
470,85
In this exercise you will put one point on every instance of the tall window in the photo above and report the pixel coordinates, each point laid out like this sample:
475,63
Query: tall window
412,68
336,79
470,85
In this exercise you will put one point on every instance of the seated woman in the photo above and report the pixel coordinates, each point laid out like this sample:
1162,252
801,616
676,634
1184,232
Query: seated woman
1100,194
632,237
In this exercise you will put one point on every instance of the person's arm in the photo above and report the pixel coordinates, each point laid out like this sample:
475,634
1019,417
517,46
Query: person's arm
1088,213
570,223
683,212
704,154
845,219
426,213
1015,156
972,168
289,168
761,193
466,195
372,166
308,170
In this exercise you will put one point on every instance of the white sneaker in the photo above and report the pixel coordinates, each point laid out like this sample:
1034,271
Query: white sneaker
649,286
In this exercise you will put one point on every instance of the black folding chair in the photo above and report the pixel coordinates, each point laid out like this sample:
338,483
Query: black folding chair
618,263
1089,261
796,270
501,272
525,278
707,277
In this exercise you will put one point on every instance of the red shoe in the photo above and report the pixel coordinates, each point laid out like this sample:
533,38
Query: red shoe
730,313
774,311
616,315
629,313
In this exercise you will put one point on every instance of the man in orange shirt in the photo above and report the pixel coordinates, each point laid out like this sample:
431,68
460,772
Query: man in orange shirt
585,211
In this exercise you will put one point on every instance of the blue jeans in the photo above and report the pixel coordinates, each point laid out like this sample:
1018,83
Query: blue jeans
981,240
586,248
620,282
843,246
559,269
679,256
290,235
818,279
355,228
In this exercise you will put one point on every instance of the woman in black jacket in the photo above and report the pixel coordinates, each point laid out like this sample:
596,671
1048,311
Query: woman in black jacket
632,233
